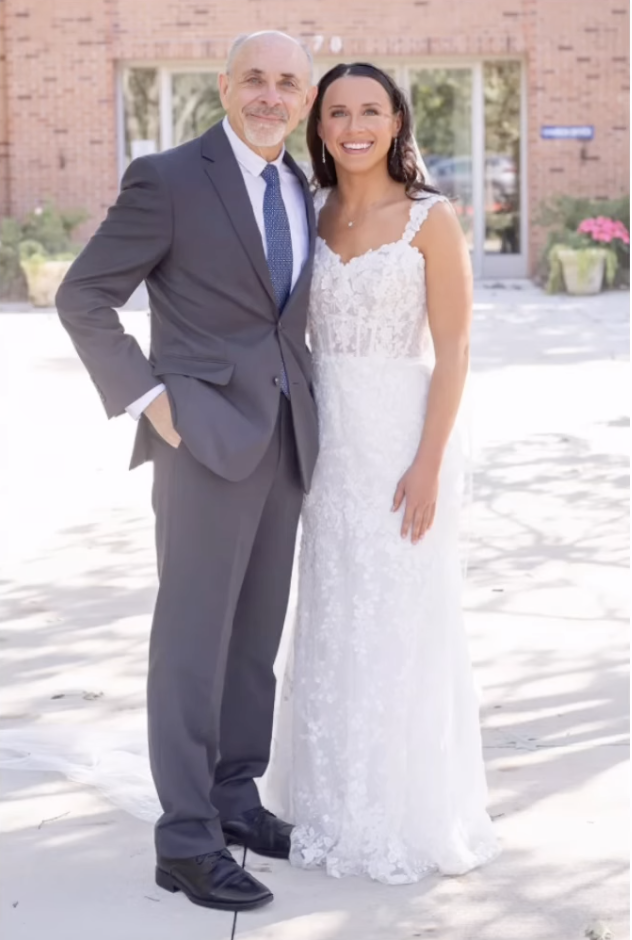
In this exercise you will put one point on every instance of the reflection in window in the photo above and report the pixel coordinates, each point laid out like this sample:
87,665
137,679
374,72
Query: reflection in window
297,146
141,112
196,104
442,111
502,157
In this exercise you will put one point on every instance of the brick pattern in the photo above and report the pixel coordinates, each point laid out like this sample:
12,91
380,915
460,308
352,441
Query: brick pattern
61,77
58,82
578,73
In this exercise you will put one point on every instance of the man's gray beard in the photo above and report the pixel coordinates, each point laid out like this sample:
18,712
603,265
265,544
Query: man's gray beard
260,136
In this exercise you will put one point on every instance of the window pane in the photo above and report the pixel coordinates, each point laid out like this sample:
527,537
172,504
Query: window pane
196,104
297,146
442,111
141,112
502,157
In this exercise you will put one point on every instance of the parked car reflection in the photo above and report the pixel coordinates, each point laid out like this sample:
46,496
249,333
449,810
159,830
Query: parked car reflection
453,176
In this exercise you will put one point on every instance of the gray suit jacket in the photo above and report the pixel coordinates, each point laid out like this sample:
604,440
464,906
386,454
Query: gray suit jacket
184,223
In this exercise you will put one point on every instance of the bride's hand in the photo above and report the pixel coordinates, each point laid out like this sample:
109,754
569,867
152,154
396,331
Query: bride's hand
419,487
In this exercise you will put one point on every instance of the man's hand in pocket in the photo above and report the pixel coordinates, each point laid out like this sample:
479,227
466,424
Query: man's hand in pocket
159,413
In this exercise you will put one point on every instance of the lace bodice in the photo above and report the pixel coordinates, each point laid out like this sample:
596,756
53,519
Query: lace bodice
375,304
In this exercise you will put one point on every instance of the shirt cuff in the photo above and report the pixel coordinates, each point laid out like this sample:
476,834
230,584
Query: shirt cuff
137,407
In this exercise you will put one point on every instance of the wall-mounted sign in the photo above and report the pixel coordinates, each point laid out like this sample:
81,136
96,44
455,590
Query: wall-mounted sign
567,132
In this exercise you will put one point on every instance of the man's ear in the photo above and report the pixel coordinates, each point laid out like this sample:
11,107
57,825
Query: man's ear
223,89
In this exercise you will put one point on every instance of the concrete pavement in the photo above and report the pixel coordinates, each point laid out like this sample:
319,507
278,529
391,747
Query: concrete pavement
547,611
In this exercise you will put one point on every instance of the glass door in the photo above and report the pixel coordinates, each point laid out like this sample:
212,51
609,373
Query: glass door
469,128
441,100
504,236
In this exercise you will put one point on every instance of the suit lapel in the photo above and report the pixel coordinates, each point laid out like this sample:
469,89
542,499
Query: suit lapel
223,171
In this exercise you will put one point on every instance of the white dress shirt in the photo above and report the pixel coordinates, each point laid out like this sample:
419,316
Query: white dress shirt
252,166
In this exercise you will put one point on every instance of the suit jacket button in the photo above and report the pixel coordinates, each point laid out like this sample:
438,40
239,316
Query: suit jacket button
277,380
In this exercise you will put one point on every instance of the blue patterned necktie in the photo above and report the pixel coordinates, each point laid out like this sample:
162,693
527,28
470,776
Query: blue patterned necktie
279,245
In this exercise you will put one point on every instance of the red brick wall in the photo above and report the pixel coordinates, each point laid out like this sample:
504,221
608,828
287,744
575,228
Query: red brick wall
578,73
62,57
61,98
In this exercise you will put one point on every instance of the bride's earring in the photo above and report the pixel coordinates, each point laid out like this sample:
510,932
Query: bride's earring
324,155
395,145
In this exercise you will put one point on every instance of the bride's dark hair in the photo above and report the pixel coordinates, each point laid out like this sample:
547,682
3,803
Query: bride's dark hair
403,165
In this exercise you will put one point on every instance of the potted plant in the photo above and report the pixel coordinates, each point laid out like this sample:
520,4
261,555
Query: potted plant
44,272
580,261
561,216
46,251
579,268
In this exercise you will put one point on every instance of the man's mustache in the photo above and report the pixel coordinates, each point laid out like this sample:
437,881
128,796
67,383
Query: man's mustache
268,112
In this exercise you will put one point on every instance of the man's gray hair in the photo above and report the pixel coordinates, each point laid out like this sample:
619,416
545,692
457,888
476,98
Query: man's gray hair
245,37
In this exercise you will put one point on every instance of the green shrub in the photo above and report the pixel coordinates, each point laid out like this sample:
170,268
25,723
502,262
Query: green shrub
31,249
45,234
12,278
568,211
52,229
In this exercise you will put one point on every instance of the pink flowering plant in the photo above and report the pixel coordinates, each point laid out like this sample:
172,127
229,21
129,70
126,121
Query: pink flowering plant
604,231
593,229
595,239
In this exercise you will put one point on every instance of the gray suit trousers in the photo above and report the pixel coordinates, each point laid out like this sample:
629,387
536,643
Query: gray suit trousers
225,554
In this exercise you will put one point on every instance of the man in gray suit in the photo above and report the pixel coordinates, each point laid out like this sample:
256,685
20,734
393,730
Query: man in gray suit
222,230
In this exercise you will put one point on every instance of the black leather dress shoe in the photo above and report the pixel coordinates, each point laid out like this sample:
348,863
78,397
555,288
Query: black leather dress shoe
261,832
214,880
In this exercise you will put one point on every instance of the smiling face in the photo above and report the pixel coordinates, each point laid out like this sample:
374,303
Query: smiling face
357,123
267,91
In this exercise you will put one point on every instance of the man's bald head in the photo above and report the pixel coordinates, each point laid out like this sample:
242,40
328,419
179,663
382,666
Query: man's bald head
268,36
267,89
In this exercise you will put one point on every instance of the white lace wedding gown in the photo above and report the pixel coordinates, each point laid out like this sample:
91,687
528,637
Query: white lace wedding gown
377,753
377,750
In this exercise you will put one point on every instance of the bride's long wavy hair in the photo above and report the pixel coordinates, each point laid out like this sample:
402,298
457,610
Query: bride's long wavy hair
403,158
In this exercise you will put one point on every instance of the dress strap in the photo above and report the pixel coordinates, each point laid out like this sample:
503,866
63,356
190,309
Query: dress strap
419,213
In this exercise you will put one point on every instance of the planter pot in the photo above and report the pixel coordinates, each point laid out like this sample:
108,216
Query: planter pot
43,279
583,269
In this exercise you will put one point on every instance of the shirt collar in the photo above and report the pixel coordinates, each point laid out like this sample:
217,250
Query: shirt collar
247,158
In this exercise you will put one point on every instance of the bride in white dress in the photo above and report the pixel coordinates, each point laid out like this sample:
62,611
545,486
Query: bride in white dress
377,757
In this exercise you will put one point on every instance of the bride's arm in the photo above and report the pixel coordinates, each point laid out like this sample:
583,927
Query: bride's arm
449,295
